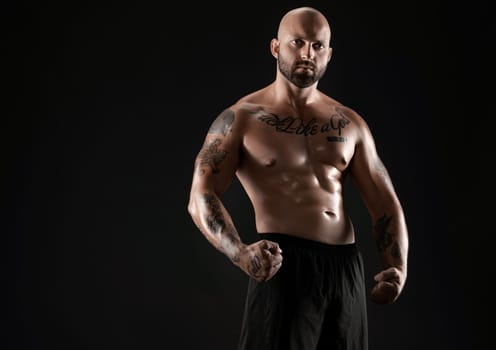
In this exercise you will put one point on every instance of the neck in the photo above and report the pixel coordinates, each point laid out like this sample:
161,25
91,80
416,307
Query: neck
296,97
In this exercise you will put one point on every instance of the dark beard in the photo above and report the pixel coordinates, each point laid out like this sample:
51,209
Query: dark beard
301,80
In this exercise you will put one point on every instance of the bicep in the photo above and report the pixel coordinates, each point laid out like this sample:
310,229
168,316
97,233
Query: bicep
217,161
372,179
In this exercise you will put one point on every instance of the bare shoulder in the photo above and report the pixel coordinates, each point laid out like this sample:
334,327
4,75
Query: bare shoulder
344,110
351,114
354,120
233,118
250,104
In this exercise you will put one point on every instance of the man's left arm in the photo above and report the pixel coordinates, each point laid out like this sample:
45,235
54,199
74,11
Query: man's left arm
388,218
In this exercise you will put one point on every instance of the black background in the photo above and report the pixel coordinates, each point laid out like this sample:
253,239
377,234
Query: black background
107,105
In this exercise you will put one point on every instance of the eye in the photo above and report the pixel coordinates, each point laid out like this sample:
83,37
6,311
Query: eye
298,42
318,46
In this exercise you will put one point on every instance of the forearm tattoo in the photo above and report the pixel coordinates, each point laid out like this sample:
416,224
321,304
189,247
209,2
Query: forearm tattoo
215,218
395,250
216,224
232,240
297,125
211,155
386,239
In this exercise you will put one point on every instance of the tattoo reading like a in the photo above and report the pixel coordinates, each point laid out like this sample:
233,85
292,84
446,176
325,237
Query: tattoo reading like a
296,125
215,220
211,155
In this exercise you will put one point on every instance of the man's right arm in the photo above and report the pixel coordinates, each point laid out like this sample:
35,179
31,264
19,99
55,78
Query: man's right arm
215,168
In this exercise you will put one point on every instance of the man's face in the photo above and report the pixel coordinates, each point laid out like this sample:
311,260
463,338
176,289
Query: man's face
303,51
303,70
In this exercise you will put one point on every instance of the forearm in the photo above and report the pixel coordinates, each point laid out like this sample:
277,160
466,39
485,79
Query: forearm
213,220
391,237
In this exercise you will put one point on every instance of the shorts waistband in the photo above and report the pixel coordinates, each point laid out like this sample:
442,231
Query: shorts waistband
286,240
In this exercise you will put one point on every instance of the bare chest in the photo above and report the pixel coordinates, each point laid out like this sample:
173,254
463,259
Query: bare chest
292,141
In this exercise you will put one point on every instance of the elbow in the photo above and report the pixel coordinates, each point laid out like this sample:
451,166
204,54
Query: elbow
194,204
191,208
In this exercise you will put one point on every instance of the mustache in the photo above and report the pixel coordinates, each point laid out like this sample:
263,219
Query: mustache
305,63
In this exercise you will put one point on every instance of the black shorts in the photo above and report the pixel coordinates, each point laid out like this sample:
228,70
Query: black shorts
315,301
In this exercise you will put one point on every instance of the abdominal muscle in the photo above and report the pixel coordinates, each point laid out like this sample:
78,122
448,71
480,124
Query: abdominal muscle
308,211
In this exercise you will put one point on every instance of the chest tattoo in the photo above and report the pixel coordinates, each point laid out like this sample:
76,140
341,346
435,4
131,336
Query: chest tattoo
296,125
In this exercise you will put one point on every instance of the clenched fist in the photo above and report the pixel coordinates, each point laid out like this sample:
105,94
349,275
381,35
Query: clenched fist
390,282
260,260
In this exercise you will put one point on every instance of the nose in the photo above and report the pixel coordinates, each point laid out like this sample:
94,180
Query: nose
307,52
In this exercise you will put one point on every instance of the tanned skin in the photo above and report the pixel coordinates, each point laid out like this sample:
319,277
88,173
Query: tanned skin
292,147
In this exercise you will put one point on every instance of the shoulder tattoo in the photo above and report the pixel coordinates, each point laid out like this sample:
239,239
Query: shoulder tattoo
222,123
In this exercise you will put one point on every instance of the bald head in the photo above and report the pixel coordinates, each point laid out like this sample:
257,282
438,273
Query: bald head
302,47
307,19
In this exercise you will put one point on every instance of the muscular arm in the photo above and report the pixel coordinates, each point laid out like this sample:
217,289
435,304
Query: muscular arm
215,168
389,227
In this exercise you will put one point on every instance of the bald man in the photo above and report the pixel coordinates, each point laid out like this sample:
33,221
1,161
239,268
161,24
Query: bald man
291,147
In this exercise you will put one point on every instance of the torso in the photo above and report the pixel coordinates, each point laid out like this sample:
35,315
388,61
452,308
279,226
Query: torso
293,166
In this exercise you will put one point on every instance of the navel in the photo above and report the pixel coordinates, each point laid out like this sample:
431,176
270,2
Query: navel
269,162
330,213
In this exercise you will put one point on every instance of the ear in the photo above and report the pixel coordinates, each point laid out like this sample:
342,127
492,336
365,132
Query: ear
274,47
329,54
